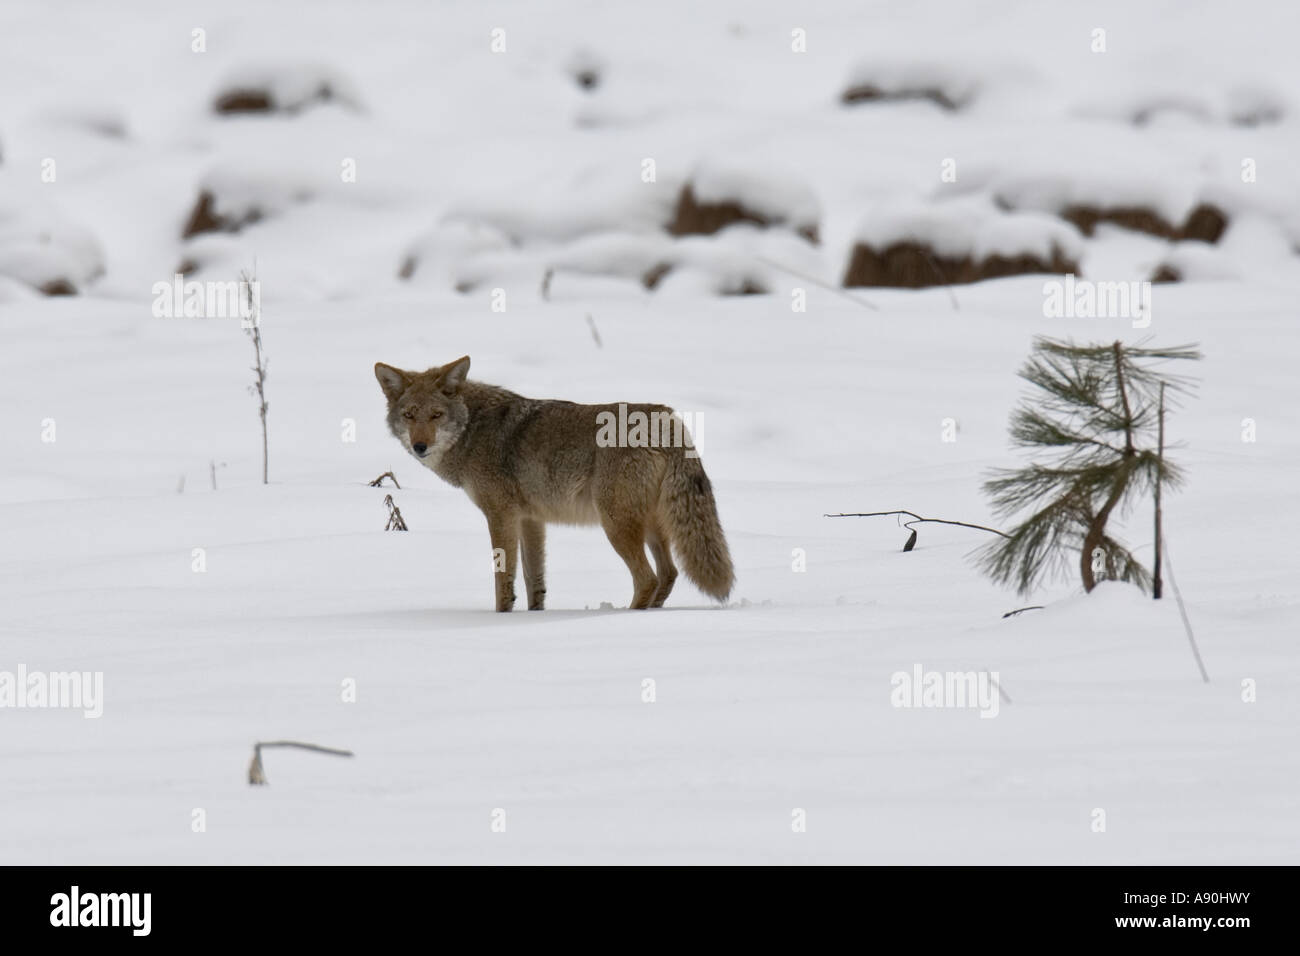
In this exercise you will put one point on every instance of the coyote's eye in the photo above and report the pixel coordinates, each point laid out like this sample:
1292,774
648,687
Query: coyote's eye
408,415
435,415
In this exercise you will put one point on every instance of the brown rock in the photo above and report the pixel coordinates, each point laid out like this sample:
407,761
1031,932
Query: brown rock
205,218
914,265
652,276
693,217
58,287
869,93
1205,223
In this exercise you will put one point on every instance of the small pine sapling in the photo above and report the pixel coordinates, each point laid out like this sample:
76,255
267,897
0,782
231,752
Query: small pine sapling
1090,419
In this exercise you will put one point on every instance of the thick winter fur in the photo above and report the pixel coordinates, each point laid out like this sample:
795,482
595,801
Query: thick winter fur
531,462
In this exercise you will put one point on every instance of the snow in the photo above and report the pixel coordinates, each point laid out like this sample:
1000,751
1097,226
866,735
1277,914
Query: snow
489,170
969,226
906,77
589,200
290,88
38,245
1171,199
240,197
769,193
1194,261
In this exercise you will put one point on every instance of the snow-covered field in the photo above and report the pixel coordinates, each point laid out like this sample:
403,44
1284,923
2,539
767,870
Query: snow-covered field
486,171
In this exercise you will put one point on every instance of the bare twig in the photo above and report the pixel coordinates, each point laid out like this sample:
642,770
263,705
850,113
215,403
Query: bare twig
591,324
915,519
257,773
817,282
379,482
1187,624
259,386
1157,585
395,522
1006,698
1032,607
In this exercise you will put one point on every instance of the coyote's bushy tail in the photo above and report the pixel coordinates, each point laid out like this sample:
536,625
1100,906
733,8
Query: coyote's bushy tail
690,516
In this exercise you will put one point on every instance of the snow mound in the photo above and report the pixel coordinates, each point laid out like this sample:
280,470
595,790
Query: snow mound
913,244
644,257
212,253
742,260
441,255
277,88
1205,223
1188,100
468,257
231,198
1168,210
1193,261
718,195
42,249
1256,106
1170,200
967,227
946,84
594,200
99,119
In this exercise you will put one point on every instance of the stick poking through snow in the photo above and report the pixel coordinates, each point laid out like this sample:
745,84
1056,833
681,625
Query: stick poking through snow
916,519
257,774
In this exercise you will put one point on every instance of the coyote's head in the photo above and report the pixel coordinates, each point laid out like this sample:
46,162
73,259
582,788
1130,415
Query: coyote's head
426,411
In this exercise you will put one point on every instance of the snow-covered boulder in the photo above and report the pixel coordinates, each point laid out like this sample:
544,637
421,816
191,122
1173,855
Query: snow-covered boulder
592,199
915,245
442,254
1183,98
231,198
1204,223
645,257
717,195
43,250
279,88
1162,209
879,80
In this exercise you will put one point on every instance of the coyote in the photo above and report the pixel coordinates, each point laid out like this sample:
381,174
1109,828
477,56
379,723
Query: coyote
529,462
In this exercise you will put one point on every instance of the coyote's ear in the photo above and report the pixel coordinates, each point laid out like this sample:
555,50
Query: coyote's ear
453,375
392,380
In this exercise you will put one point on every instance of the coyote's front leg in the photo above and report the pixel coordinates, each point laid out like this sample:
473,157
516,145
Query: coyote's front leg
532,535
504,530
